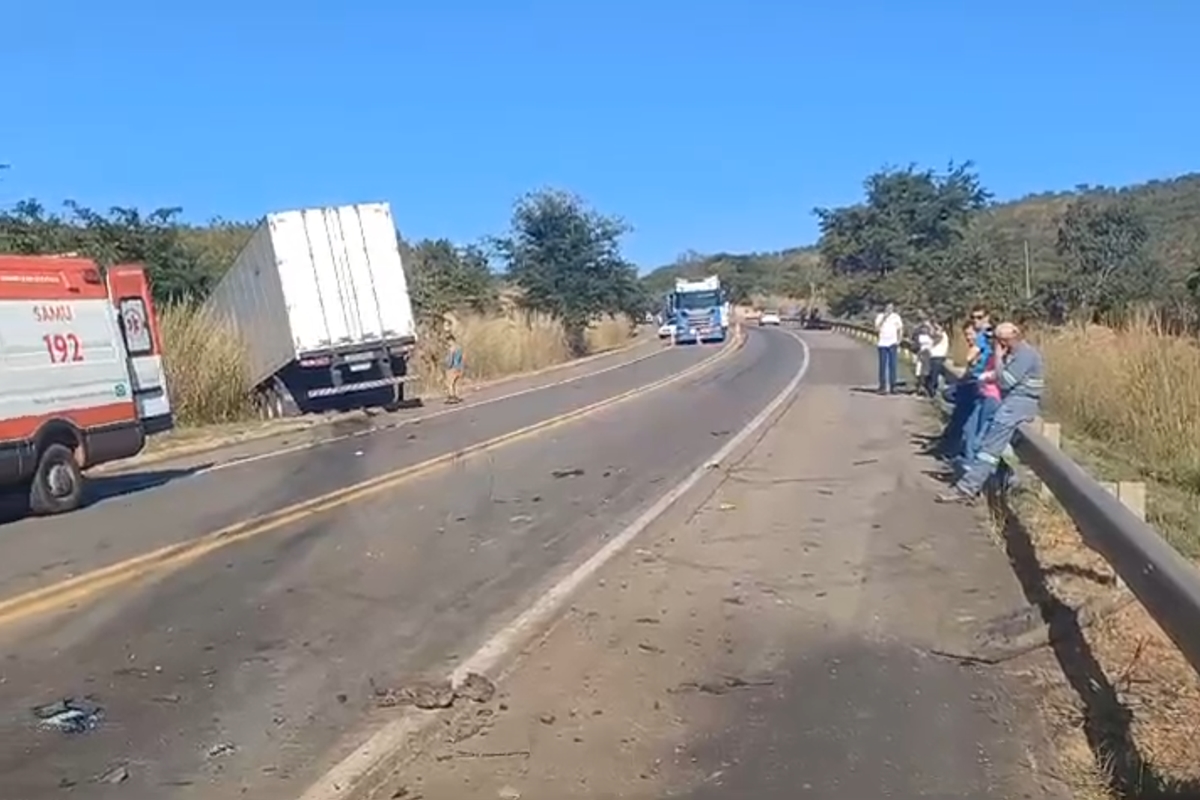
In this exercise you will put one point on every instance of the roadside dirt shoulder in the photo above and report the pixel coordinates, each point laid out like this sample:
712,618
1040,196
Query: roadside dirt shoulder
778,641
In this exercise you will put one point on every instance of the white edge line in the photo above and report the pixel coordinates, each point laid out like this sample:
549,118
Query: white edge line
238,462
342,779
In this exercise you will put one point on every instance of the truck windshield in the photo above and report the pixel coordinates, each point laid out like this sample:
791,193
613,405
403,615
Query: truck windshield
695,301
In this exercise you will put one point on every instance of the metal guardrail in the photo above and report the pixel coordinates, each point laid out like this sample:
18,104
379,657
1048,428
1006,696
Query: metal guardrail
1165,582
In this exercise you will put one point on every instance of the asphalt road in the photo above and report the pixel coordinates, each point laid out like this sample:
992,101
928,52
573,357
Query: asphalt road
248,673
135,512
780,636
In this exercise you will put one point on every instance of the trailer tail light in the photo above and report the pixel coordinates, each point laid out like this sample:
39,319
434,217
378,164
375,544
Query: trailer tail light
315,362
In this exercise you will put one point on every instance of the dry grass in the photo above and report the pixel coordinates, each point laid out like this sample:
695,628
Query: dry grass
1136,390
207,377
509,344
1129,404
206,368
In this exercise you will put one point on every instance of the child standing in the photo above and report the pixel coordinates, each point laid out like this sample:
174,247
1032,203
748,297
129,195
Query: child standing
454,370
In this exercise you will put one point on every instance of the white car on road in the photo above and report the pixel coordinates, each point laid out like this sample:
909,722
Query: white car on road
665,330
769,318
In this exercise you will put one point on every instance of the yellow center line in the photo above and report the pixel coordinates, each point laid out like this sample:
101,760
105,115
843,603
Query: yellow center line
63,594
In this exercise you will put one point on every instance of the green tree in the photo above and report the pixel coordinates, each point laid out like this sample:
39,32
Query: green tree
906,215
443,277
900,242
566,259
1104,248
122,236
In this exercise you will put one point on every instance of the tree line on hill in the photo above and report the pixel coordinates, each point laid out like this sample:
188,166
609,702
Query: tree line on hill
927,239
559,257
935,241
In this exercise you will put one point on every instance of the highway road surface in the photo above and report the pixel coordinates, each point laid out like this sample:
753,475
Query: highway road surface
240,660
782,634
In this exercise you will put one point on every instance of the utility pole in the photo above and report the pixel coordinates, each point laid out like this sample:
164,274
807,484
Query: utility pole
1028,274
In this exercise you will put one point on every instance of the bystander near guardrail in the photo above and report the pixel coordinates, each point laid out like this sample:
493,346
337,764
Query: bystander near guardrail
1162,580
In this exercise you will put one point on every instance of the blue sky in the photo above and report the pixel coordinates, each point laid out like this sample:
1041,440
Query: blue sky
711,124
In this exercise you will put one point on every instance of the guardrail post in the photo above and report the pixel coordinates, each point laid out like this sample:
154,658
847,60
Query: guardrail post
1052,433
1132,495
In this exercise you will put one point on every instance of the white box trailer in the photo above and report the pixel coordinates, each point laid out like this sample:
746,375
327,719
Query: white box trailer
320,301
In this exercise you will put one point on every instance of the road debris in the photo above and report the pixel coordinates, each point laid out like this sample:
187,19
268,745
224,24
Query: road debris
221,749
726,507
435,695
118,774
721,686
574,472
499,754
547,718
476,687
69,715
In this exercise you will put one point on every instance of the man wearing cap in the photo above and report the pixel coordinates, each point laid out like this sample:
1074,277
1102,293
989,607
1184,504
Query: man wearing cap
1020,374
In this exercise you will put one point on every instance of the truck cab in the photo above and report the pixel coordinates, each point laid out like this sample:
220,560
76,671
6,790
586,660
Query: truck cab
700,310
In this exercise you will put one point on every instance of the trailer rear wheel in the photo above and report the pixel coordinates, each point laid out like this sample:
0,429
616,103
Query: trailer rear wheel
57,485
271,404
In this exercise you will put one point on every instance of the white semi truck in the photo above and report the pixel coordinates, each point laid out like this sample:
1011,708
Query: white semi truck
321,303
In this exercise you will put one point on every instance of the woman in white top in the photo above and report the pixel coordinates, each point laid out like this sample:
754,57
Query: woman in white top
924,341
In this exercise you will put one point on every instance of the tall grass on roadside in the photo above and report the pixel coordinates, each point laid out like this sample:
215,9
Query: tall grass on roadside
1135,389
205,365
496,346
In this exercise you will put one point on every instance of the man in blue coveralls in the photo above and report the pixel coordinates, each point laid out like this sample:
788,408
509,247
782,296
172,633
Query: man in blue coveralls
1020,373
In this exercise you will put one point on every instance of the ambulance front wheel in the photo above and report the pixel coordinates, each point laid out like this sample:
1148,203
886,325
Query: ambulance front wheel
57,484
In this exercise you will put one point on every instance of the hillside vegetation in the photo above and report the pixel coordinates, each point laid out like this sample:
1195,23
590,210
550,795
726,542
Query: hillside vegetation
794,273
554,286
988,256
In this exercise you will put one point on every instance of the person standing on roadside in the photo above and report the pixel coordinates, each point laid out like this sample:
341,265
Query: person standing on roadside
939,351
454,369
1020,375
924,343
889,330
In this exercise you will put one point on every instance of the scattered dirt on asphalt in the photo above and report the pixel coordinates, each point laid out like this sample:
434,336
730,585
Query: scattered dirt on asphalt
773,637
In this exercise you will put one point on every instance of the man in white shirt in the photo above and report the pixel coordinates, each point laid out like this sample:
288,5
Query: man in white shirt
889,330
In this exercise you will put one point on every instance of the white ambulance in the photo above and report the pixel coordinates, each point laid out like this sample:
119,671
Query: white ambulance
81,375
